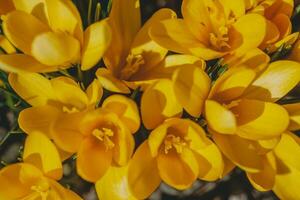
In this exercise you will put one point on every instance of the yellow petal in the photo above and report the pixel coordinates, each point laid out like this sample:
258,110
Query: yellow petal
97,38
69,93
20,63
33,7
240,151
294,113
33,88
288,171
278,79
219,118
40,118
183,171
284,24
237,8
58,191
255,59
124,29
196,13
263,180
55,49
144,45
159,103
93,160
62,17
175,36
94,92
16,180
124,145
213,168
111,83
21,28
191,87
6,6
260,120
288,150
272,35
143,176
245,36
66,132
284,7
114,185
126,109
6,45
232,84
42,153
288,40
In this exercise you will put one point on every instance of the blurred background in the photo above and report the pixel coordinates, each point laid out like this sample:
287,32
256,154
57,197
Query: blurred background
233,187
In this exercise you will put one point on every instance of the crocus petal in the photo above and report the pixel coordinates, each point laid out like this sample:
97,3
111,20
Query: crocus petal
232,84
111,83
61,17
240,151
93,159
237,8
55,49
260,120
288,171
144,45
32,87
6,6
94,92
20,63
124,145
6,45
124,29
294,113
183,171
42,153
97,38
288,143
220,118
126,109
114,185
69,93
143,176
255,59
16,180
58,191
174,35
159,103
284,7
21,28
284,24
274,83
195,13
245,36
272,35
288,40
191,87
39,118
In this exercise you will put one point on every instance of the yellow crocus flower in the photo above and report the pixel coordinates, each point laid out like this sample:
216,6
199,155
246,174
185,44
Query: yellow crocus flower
101,138
177,152
50,35
133,59
279,26
211,29
37,176
50,99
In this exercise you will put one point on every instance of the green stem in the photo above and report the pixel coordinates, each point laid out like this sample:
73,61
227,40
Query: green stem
97,12
90,12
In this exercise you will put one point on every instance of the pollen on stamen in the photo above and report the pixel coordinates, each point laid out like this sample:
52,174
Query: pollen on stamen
104,135
133,63
172,141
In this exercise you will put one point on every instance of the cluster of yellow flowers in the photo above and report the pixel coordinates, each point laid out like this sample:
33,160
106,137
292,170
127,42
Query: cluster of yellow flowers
207,107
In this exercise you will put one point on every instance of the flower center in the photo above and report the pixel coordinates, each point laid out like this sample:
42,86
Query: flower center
219,39
104,135
133,63
42,189
176,142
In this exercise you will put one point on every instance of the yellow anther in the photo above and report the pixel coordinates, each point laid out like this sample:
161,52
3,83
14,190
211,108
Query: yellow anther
41,189
104,135
132,66
69,110
174,141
